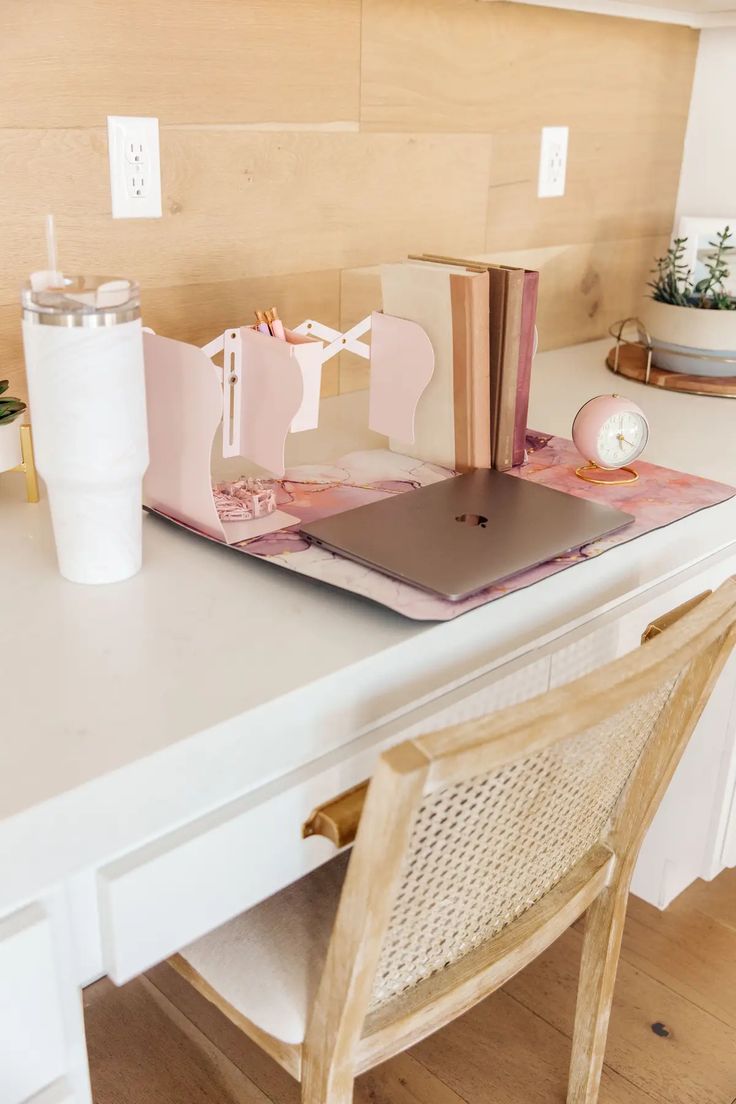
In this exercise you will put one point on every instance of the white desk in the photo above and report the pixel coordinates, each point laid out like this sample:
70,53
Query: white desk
163,739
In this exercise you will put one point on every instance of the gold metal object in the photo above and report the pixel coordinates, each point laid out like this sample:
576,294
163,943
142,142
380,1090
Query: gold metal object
643,340
28,463
658,626
581,473
338,819
720,387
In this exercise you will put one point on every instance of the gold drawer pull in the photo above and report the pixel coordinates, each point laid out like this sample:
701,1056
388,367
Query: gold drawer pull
658,626
338,819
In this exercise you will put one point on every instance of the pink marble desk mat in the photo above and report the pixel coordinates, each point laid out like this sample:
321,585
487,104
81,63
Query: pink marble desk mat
660,497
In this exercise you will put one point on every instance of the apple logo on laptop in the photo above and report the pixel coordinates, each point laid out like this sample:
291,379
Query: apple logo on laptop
472,519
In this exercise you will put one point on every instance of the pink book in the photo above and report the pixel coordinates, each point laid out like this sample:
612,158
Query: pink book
526,354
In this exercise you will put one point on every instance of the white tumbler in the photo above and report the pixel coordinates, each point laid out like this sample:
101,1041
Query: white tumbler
84,359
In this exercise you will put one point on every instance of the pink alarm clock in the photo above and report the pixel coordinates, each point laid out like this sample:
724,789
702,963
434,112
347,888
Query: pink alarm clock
611,432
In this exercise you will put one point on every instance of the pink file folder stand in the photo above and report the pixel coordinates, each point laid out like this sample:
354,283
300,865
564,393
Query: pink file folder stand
266,389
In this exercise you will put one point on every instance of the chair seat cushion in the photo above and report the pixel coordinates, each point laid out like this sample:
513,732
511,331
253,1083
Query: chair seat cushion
267,962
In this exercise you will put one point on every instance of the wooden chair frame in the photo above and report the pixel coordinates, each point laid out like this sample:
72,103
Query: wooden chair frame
343,1039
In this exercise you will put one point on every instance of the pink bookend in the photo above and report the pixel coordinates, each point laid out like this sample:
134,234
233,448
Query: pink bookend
184,402
402,364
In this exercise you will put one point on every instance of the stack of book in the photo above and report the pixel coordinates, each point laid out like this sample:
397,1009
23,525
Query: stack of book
480,319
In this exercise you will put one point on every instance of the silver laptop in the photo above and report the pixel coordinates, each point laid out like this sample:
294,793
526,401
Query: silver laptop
464,534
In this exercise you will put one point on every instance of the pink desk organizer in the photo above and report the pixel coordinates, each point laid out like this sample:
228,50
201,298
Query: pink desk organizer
266,389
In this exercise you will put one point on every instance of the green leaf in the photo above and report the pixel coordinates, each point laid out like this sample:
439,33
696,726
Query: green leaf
11,408
4,385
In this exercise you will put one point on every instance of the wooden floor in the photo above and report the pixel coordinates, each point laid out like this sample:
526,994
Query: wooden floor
672,1038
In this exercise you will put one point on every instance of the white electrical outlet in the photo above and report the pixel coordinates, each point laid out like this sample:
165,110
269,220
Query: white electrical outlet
135,167
552,161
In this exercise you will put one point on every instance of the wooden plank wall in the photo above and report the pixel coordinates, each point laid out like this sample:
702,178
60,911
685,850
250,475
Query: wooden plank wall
304,142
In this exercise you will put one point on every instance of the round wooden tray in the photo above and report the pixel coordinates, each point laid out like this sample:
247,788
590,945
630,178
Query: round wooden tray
632,364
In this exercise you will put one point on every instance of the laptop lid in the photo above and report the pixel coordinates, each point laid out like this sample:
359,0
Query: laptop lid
461,535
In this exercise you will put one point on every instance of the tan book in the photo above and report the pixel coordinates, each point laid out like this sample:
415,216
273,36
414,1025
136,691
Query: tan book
506,292
452,425
472,395
509,365
498,288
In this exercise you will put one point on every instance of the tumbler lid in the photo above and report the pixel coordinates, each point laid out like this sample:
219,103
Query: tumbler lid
80,301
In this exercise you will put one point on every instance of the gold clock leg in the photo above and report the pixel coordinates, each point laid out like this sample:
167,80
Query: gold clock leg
29,463
583,473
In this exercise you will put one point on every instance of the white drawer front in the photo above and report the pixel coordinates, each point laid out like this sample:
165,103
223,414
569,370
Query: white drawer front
584,655
620,630
32,1045
165,895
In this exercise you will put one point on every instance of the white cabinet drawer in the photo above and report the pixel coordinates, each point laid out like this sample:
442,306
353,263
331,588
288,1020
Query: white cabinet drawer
32,1044
174,890
619,630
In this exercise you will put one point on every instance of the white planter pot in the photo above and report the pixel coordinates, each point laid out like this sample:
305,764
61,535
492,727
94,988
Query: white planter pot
10,453
690,340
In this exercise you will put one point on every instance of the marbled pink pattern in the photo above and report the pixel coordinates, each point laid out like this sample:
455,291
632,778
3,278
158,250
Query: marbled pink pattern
659,497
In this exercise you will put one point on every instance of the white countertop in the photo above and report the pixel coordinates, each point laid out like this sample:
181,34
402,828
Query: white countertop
205,656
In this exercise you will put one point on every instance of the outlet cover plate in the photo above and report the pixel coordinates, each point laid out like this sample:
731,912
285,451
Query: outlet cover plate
553,162
135,166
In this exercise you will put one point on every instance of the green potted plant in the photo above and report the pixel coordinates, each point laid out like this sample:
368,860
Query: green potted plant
693,324
10,410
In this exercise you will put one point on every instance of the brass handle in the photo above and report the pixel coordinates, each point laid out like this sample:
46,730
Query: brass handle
338,819
658,626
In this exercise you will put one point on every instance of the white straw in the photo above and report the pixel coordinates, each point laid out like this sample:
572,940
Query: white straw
56,276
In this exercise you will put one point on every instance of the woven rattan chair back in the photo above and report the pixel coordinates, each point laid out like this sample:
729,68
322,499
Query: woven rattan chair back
485,849
479,844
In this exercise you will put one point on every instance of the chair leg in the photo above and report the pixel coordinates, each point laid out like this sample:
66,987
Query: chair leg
326,1083
314,1093
598,965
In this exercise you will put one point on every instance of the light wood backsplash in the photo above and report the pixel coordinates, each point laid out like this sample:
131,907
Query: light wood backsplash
306,141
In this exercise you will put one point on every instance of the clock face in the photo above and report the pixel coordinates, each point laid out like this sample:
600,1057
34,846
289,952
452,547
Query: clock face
621,438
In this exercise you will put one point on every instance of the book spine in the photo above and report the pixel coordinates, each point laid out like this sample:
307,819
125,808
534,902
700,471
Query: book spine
460,312
526,355
498,280
480,456
509,370
471,382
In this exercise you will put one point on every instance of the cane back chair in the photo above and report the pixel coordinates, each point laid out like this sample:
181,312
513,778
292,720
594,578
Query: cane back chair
477,846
